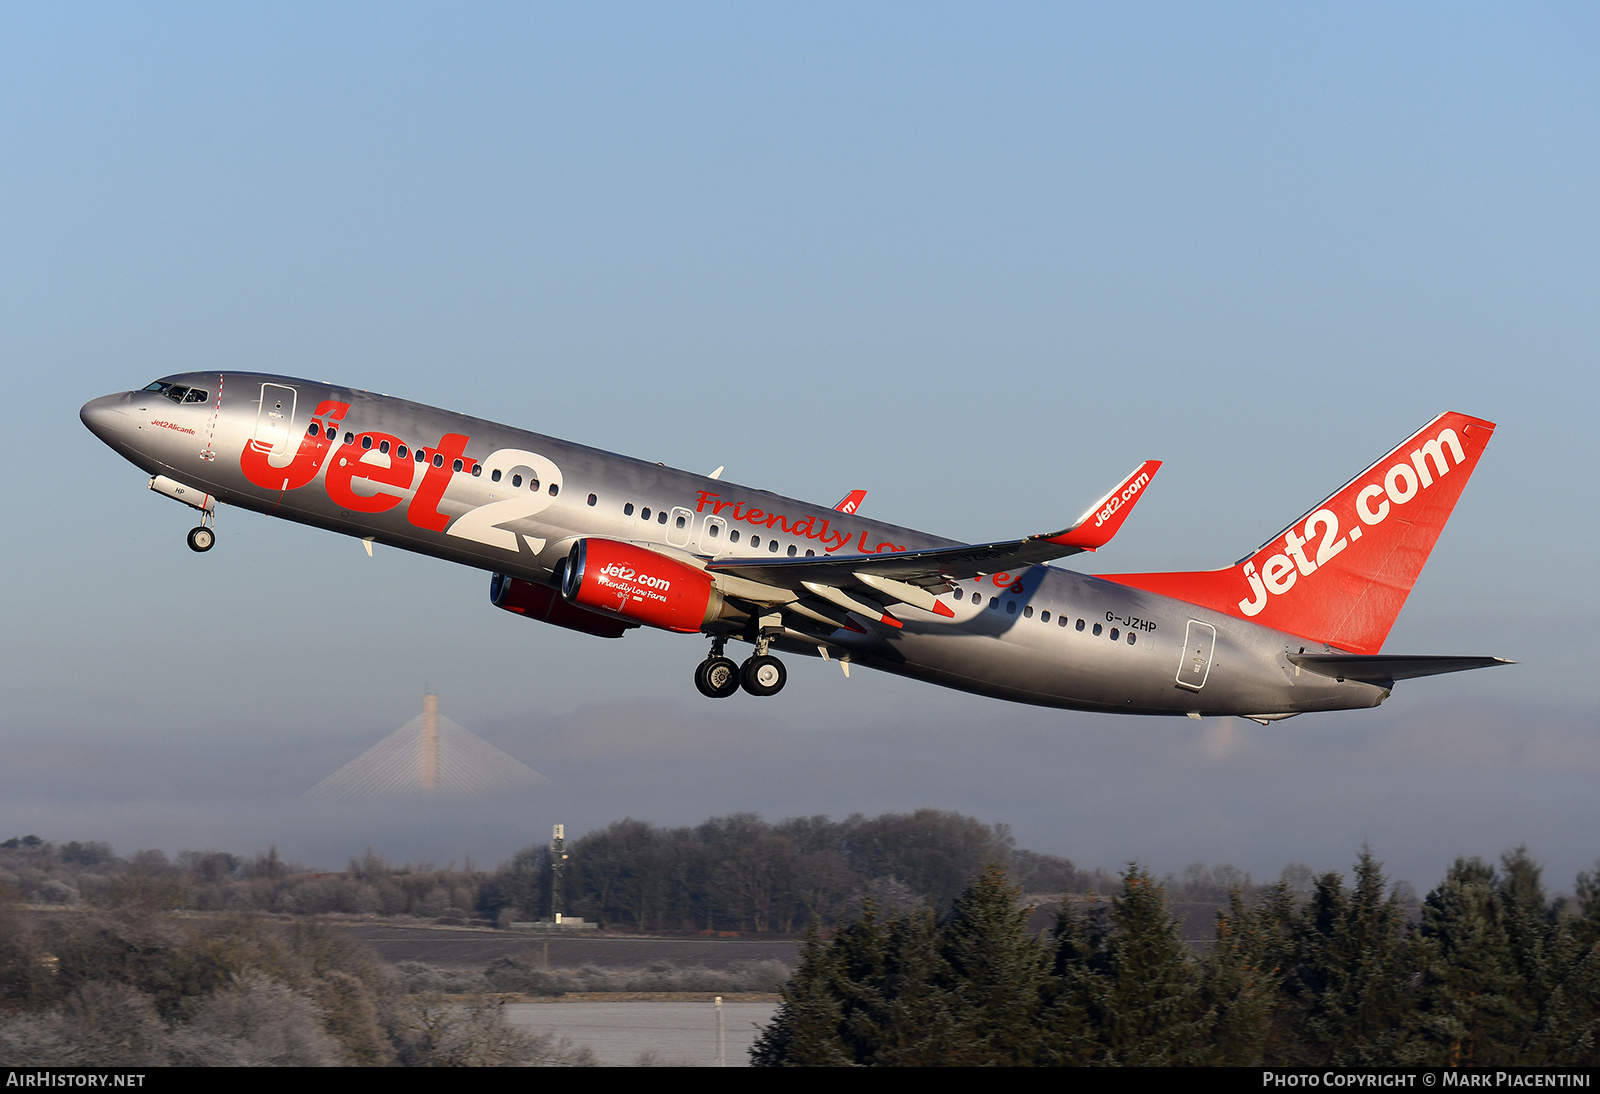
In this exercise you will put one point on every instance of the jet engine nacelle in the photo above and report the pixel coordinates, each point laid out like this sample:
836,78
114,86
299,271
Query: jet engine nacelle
542,602
640,585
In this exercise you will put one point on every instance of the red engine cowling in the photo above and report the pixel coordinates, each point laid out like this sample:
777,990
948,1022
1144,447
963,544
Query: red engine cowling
542,602
638,584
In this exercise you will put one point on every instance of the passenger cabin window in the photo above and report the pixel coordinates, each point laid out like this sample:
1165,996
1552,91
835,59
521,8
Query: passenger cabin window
958,594
977,599
772,545
713,529
755,541
1063,621
366,442
680,522
516,480
793,550
1027,612
456,466
349,438
555,488
1080,625
644,514
811,554
733,535
1011,607
1115,634
1097,630
1131,637
627,510
1044,617
313,429
401,452
593,499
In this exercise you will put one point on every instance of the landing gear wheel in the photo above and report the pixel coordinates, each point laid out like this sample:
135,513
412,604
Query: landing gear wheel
201,539
716,677
763,675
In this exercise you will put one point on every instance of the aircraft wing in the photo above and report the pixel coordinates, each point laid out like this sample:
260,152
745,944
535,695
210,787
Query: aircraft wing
864,583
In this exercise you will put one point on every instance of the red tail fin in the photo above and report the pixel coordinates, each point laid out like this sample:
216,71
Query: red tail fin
1341,573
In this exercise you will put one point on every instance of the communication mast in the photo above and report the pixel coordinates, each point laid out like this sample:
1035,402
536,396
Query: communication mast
558,867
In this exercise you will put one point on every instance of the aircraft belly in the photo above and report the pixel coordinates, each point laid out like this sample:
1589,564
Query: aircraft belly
1026,659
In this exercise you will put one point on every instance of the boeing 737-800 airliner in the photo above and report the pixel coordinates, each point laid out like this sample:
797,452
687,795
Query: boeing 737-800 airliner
600,543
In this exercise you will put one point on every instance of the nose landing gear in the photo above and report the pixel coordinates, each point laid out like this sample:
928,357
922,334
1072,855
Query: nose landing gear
202,539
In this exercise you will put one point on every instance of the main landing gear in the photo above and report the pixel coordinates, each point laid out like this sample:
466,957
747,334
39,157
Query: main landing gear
718,677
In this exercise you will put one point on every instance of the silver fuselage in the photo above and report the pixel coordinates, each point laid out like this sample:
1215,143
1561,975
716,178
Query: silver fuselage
247,445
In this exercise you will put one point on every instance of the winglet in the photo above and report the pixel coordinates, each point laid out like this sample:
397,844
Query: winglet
1103,519
851,501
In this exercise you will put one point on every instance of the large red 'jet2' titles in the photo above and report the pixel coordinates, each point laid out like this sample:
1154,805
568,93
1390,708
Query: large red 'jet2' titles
600,543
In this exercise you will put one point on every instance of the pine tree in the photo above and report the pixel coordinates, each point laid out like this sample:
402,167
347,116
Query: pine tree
1471,1006
1128,979
873,995
997,975
1239,986
1352,968
806,1031
905,990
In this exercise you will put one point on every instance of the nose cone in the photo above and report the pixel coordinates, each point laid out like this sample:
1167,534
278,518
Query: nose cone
106,417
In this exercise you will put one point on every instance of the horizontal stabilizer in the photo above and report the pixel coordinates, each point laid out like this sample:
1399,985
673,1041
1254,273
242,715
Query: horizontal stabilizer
1384,670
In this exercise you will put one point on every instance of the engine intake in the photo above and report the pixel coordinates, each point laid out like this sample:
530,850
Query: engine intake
638,584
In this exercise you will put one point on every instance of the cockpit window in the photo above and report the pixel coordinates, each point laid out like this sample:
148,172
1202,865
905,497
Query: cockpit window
178,393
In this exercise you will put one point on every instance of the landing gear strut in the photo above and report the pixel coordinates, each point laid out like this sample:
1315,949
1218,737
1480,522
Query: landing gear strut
717,677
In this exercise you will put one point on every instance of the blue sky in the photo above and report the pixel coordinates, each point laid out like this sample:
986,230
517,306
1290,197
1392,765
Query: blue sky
978,261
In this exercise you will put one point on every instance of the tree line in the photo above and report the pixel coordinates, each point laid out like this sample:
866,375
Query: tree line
1491,972
734,873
